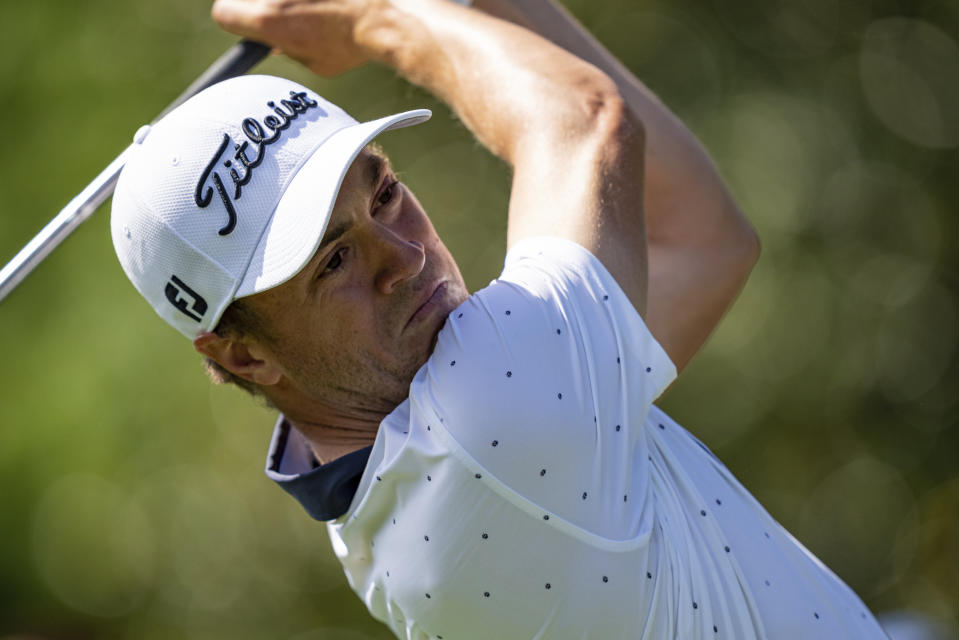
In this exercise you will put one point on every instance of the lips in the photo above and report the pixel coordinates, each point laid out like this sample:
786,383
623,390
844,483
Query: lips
431,304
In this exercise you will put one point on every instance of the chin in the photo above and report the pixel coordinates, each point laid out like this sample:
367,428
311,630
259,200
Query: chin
406,369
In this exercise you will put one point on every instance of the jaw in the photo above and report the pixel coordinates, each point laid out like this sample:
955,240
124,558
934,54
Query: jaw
344,380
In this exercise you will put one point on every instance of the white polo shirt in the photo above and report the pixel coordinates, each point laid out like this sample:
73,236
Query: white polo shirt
527,488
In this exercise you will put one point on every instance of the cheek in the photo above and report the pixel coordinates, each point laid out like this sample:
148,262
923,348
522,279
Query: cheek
362,326
415,220
426,233
326,349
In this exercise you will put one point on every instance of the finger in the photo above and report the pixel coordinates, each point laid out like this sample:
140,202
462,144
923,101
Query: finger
243,18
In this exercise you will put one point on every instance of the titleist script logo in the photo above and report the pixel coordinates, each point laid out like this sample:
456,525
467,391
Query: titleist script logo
283,114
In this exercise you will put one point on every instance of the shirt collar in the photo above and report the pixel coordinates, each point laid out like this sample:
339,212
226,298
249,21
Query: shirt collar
325,491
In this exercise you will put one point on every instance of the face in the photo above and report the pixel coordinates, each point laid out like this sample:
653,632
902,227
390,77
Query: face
355,324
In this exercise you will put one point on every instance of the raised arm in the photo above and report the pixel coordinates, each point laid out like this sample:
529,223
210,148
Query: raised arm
701,246
561,124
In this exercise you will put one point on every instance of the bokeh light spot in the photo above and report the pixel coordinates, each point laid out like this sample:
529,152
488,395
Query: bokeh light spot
910,76
93,546
854,519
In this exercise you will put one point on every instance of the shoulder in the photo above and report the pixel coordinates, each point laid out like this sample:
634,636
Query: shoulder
554,288
538,341
550,294
558,267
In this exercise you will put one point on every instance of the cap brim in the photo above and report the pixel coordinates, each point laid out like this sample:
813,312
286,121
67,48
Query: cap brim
303,213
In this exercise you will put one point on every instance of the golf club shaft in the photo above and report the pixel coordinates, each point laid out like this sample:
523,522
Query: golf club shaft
238,59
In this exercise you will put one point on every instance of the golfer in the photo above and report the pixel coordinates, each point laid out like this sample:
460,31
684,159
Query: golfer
491,464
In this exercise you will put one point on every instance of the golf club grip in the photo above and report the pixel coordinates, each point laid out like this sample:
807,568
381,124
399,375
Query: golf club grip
238,59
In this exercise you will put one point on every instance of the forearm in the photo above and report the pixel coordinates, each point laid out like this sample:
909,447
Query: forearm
561,124
686,200
701,247
505,83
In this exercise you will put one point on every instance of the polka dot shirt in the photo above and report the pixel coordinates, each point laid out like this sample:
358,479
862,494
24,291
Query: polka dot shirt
528,488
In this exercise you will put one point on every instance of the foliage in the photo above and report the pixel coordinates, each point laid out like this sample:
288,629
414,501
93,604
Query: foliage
135,505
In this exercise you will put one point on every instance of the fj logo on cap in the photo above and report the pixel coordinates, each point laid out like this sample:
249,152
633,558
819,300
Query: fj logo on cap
186,300
283,114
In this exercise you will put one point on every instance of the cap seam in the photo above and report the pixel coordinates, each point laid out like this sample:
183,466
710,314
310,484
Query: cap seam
236,282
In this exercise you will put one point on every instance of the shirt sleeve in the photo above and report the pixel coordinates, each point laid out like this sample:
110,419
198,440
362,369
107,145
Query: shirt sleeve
545,378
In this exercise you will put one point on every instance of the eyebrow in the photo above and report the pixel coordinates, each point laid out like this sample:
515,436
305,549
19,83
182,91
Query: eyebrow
333,234
375,164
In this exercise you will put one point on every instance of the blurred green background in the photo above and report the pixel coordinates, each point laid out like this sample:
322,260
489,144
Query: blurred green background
133,503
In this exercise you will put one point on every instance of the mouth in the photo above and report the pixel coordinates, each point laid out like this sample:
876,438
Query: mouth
431,305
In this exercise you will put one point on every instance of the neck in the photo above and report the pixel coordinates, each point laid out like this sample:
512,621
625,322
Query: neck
334,426
331,431
331,442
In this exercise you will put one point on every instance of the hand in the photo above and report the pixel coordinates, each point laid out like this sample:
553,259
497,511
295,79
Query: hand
320,34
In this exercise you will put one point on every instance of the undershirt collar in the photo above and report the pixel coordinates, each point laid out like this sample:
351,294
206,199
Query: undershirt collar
326,490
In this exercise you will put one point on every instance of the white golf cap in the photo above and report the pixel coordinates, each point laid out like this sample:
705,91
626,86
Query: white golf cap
230,193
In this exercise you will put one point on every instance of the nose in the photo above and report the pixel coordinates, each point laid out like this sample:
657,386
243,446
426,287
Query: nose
399,259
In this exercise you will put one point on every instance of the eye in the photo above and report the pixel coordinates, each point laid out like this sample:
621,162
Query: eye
387,194
334,263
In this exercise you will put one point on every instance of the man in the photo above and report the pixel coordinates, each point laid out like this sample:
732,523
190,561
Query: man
491,464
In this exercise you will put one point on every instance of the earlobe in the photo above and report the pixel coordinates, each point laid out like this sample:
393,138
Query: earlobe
235,356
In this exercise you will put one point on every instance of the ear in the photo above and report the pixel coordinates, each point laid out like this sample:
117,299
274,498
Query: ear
235,356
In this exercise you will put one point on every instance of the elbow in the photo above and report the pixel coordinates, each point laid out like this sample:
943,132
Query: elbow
728,229
752,246
743,246
601,101
616,138
620,127
747,241
755,247
601,113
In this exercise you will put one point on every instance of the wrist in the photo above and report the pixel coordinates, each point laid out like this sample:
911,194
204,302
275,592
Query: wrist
399,34
381,32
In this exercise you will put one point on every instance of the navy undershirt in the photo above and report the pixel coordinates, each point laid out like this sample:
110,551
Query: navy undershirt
327,490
